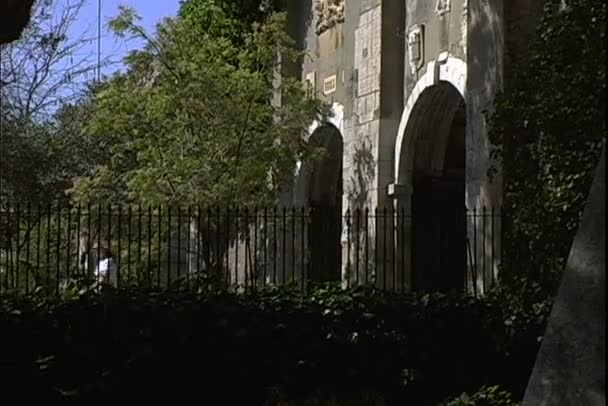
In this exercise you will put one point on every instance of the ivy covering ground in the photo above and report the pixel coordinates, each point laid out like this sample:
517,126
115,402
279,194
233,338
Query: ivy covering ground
134,347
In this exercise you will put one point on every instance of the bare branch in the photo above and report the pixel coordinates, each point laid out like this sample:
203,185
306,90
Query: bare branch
49,65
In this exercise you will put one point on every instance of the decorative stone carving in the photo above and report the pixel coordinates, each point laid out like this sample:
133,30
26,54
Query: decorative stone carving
311,84
329,14
443,7
415,47
464,26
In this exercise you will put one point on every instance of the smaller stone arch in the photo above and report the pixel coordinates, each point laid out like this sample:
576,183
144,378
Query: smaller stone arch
324,198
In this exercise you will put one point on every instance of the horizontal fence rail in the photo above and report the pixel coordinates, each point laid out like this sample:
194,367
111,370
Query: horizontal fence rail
50,249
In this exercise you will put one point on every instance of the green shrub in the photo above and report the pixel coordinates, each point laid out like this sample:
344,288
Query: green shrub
486,396
276,345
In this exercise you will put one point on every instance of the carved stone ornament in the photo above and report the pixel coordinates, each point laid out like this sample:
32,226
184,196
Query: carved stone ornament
415,44
443,7
329,14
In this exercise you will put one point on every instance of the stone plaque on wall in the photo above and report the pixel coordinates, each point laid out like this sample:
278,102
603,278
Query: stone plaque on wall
329,14
330,85
443,7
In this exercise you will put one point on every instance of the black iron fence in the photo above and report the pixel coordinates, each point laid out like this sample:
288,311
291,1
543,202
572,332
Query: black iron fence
52,248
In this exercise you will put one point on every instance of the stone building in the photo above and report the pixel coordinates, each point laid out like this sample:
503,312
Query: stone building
409,82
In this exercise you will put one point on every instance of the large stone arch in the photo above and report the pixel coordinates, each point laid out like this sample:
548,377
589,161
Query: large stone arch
430,157
452,71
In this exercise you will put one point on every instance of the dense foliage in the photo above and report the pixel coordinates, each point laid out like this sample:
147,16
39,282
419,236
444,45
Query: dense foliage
272,346
230,19
548,128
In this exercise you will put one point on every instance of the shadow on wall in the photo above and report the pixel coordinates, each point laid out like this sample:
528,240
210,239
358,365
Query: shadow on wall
362,175
485,64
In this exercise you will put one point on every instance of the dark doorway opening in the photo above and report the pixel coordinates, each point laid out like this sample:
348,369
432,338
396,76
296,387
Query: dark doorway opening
325,202
438,207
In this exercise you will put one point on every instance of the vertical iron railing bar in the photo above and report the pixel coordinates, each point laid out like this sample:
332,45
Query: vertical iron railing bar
358,244
179,241
472,266
139,241
168,245
38,239
302,245
492,231
159,246
96,269
199,230
256,270
376,246
129,239
236,249
58,251
227,250
78,236
265,263
119,254
149,276
384,259
247,248
274,246
483,243
48,250
284,243
110,253
475,247
4,233
15,276
348,244
27,248
403,248
9,253
89,248
293,245
69,242
217,246
189,250
366,246
394,248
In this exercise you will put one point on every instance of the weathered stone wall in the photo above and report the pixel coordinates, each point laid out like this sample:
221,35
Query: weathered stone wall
356,63
373,59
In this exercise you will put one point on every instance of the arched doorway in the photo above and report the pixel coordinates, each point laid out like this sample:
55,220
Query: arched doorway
325,201
432,165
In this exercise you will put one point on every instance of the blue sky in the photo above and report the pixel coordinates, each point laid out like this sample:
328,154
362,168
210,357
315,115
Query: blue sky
151,11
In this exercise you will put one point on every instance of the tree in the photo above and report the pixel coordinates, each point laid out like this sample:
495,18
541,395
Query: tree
549,128
47,66
41,75
192,122
231,19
